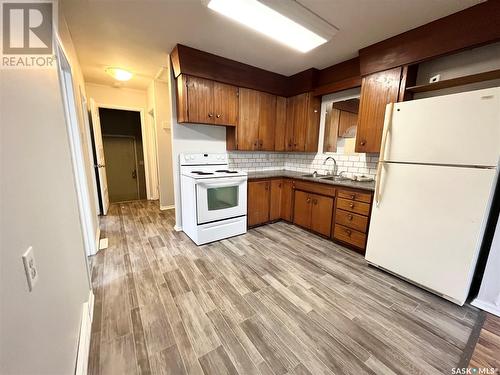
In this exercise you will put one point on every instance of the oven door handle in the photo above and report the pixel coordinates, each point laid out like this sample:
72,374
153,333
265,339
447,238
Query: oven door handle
221,182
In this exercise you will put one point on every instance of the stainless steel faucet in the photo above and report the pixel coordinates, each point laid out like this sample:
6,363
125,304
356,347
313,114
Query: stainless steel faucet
334,164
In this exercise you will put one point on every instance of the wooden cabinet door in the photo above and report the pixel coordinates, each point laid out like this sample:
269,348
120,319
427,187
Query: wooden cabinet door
299,121
313,105
275,199
200,100
377,90
267,121
348,123
258,202
287,200
280,127
302,209
248,120
291,104
321,214
331,129
225,104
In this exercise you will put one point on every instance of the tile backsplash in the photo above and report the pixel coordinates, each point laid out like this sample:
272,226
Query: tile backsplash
365,164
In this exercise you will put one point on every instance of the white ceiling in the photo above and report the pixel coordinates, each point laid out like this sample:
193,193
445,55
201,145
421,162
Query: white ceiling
138,34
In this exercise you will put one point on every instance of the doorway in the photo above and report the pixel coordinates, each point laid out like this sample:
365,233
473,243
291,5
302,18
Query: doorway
124,154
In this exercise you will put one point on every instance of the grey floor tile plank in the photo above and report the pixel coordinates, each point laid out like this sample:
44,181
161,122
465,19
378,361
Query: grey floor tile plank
277,300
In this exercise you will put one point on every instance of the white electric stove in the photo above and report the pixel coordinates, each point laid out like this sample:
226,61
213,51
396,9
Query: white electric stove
214,198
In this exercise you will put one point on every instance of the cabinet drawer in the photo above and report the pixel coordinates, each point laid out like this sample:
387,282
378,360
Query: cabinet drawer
350,236
351,220
355,195
353,206
314,187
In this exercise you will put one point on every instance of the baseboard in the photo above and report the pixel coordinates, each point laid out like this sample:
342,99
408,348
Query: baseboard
486,306
163,208
82,358
97,238
177,228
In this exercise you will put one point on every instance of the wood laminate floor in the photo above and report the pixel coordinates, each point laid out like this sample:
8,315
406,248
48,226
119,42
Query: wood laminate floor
277,300
487,351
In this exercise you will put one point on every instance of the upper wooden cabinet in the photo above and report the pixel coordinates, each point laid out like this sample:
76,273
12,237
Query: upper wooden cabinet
302,131
280,126
204,101
377,90
332,121
256,123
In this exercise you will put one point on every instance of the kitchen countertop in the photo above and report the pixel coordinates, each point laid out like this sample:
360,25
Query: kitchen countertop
300,176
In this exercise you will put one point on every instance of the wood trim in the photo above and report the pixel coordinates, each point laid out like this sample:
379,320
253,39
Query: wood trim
458,81
332,87
191,61
471,27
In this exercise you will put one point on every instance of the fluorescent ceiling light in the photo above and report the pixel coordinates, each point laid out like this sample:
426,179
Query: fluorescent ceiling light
119,74
277,25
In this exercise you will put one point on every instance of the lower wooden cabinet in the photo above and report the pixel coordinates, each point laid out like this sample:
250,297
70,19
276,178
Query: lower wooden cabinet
313,212
287,199
351,218
259,193
332,211
275,200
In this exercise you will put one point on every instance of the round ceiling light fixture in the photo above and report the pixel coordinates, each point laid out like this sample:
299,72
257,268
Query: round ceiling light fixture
119,74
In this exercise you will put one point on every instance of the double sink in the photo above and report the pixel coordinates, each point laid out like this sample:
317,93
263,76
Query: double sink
327,177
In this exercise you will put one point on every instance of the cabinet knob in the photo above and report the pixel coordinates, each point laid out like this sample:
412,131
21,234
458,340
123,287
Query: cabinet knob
308,200
353,196
349,217
348,232
315,201
210,115
351,205
218,116
362,143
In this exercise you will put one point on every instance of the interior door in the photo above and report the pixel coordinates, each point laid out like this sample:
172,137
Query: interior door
121,168
101,162
429,223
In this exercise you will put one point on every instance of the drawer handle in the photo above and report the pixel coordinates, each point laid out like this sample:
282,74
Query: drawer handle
353,196
348,232
350,217
351,205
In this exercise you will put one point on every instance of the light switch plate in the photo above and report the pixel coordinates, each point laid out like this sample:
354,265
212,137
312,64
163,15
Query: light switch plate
30,268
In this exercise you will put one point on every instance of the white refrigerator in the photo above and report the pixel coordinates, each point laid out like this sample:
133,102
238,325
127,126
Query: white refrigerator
434,185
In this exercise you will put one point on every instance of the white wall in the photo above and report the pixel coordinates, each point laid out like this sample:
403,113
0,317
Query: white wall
39,330
137,100
476,60
160,110
191,138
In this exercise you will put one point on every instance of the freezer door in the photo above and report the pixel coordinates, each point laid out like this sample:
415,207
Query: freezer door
458,129
429,224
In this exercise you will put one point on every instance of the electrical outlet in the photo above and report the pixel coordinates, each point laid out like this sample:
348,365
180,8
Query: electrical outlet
435,78
30,268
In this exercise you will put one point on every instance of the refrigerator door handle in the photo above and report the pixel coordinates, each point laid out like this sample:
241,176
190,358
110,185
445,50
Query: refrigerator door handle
377,183
387,125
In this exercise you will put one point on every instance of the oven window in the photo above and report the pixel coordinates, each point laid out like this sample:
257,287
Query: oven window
222,197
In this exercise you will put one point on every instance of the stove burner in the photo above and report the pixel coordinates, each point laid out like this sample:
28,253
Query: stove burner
226,171
201,173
